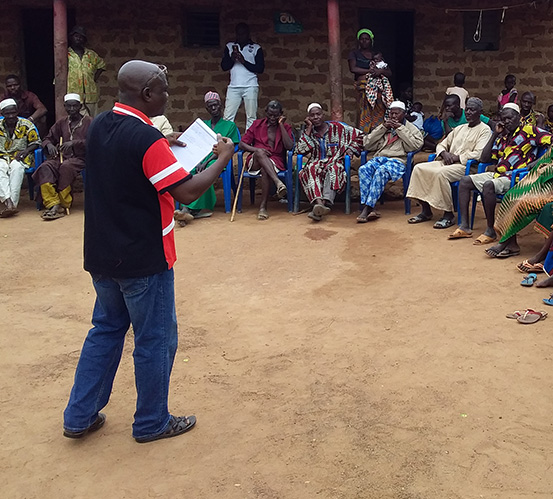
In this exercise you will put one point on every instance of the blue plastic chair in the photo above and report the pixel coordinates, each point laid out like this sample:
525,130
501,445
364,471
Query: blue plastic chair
286,176
406,178
39,159
229,183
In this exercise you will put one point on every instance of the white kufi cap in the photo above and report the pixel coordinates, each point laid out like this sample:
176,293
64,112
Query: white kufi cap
76,97
398,105
7,103
513,106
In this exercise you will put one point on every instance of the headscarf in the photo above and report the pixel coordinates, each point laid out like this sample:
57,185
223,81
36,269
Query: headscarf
367,31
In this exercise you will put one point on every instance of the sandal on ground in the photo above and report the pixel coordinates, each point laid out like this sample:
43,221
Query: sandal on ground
443,223
518,313
98,423
526,267
53,214
8,212
419,219
176,426
483,239
262,215
312,216
203,214
373,215
459,234
506,253
183,215
362,219
531,317
529,280
548,301
321,210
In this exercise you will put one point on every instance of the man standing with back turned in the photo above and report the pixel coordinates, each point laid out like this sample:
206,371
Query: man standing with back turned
132,171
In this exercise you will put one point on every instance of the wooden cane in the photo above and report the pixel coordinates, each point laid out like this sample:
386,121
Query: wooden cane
61,161
237,193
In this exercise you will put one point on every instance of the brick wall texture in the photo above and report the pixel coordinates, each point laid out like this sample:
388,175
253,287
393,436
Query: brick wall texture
297,64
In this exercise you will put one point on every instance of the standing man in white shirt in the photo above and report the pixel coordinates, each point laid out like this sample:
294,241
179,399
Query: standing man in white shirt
245,60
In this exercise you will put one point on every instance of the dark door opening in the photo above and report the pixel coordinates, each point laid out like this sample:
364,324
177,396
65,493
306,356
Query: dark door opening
393,35
38,36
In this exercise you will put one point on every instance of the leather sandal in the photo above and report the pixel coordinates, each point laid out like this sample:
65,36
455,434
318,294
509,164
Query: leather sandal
176,426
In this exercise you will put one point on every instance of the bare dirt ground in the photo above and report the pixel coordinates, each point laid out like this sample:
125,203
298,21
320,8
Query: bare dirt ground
335,360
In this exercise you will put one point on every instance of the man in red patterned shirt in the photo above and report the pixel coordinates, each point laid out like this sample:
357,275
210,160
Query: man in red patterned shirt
129,250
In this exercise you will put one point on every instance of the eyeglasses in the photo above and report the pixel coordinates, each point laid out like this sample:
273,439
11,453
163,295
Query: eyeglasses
163,71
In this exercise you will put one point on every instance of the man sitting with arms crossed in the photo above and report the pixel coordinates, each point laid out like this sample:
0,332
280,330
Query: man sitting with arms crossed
18,139
392,140
430,182
65,146
512,146
267,140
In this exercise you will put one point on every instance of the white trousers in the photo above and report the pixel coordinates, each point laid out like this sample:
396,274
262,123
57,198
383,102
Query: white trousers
234,98
11,178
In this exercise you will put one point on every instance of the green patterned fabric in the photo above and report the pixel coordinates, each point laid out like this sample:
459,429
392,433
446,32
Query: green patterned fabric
523,203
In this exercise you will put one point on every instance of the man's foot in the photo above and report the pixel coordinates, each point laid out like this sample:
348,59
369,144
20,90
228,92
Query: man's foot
316,218
100,420
460,233
263,214
202,214
7,213
364,215
282,192
176,426
530,265
494,250
321,210
483,239
444,223
421,217
53,213
183,215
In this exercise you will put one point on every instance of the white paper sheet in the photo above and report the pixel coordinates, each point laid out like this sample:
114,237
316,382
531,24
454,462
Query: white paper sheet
199,140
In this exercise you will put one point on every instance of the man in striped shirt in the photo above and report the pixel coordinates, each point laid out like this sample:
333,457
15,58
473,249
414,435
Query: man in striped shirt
129,250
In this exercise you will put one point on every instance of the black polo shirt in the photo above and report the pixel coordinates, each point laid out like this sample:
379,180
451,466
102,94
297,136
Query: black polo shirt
129,222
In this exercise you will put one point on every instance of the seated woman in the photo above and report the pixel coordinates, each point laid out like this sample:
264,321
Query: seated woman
521,205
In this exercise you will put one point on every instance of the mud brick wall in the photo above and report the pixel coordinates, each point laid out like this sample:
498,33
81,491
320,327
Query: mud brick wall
297,64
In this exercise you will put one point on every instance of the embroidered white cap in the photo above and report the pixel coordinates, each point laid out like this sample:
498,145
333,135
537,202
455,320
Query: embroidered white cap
513,106
76,97
313,105
7,103
398,104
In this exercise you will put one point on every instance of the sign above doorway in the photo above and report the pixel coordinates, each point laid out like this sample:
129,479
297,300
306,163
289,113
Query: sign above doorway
286,23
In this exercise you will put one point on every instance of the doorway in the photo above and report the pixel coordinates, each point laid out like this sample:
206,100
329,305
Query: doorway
394,36
38,38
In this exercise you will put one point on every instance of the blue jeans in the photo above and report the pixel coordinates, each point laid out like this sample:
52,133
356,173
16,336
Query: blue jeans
148,303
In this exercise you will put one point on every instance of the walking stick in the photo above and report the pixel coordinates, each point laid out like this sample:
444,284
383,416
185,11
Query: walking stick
238,190
61,161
